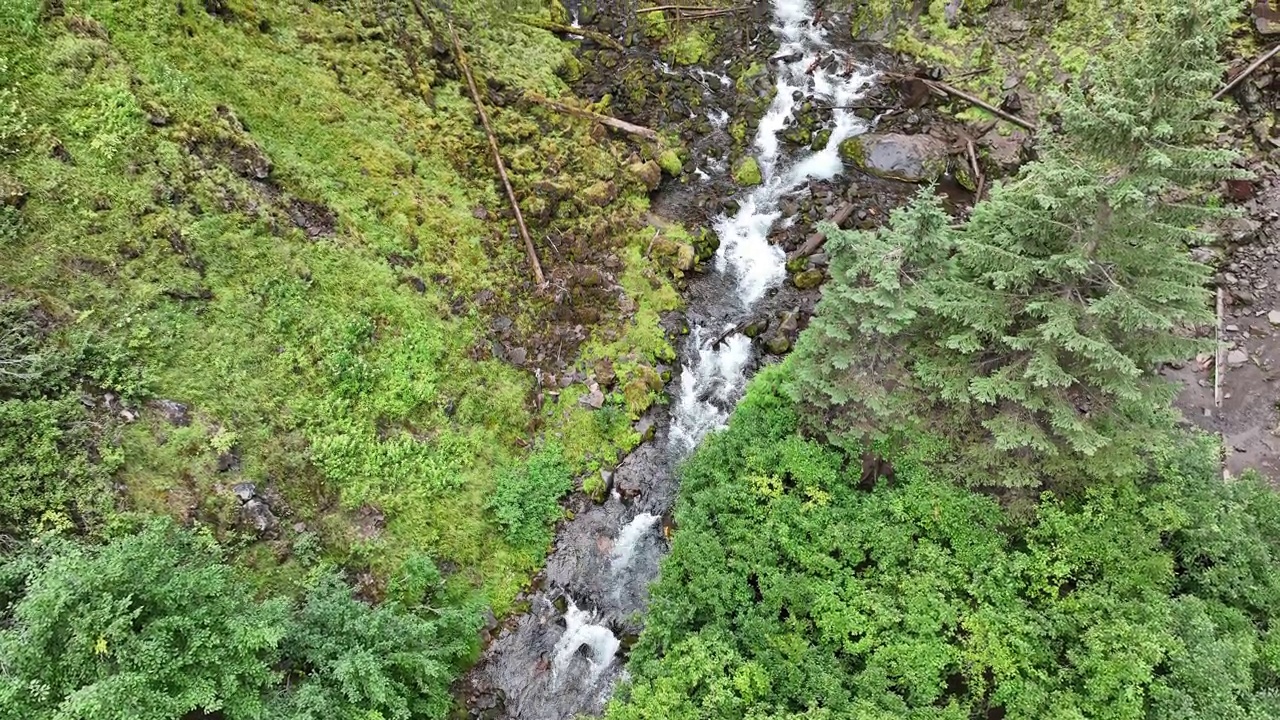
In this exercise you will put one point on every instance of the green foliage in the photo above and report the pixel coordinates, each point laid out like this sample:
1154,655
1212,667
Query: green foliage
1030,334
526,500
151,627
354,662
155,625
797,588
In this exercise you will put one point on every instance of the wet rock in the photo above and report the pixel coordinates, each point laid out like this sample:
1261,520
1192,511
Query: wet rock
245,491
645,427
747,173
755,328
808,279
648,173
174,412
778,344
257,514
908,158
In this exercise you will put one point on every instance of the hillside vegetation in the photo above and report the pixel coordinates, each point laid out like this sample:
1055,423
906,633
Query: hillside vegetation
257,275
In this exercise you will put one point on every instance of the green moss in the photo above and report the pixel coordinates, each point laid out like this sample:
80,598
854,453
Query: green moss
690,47
669,161
747,172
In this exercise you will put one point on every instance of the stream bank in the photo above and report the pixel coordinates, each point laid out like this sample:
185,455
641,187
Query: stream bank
768,118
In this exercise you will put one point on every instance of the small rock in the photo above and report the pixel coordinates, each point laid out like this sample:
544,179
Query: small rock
593,399
1273,317
605,374
648,173
645,428
747,173
1237,357
778,344
1234,328
245,491
257,515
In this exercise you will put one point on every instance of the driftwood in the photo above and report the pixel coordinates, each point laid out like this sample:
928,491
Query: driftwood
814,241
461,60
1247,72
612,122
598,37
946,89
977,171
1217,355
686,8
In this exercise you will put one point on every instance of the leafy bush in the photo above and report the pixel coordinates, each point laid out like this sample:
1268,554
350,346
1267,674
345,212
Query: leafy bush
795,589
150,627
526,501
155,626
353,661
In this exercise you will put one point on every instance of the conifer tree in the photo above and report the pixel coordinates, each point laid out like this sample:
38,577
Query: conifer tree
1030,334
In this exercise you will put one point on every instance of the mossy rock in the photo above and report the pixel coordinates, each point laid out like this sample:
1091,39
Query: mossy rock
778,344
647,172
670,163
892,156
600,193
747,173
673,254
808,279
637,396
706,244
690,48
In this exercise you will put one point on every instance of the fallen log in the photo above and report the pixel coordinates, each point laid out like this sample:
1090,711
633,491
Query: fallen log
461,59
814,241
612,122
946,89
597,37
1247,72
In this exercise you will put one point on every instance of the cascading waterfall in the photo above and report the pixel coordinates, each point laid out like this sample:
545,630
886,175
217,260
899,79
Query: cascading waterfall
625,546
560,660
714,376
579,633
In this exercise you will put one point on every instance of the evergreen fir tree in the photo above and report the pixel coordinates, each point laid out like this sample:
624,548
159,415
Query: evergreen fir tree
1030,334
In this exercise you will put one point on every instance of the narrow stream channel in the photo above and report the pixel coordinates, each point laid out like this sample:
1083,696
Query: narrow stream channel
564,656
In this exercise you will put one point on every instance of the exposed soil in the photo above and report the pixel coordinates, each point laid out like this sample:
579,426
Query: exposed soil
1249,259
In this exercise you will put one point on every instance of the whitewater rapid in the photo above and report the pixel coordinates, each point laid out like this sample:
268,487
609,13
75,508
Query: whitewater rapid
808,68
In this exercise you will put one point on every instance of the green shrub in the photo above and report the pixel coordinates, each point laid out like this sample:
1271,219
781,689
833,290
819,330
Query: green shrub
795,588
350,661
150,627
526,500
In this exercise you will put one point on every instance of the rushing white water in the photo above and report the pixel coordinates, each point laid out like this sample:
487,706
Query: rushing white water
580,632
808,70
630,535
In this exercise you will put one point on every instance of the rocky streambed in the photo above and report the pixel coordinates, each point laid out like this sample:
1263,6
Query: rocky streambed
800,98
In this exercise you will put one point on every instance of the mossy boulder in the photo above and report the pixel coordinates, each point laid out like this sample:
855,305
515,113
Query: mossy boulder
808,279
705,244
669,161
777,344
648,173
892,156
673,254
747,172
600,193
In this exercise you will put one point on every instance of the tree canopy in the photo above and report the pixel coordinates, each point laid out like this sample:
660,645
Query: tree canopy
1030,333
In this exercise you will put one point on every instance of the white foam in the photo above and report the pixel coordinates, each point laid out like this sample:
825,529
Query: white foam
581,632
624,547
710,384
